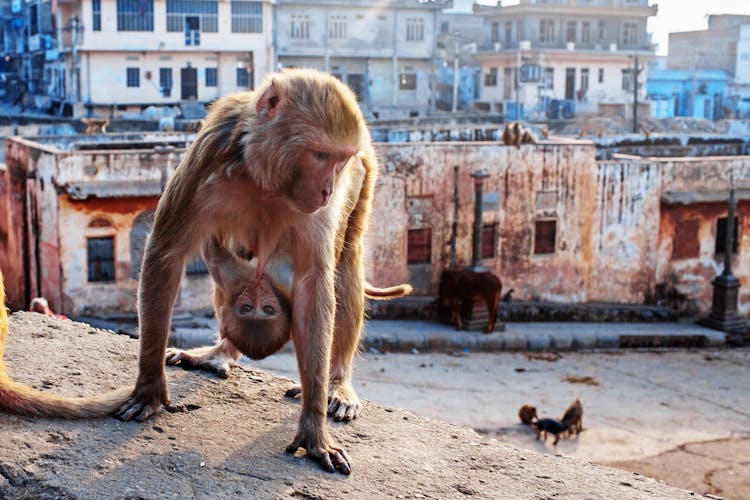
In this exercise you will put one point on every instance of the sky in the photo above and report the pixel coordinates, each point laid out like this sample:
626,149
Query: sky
672,16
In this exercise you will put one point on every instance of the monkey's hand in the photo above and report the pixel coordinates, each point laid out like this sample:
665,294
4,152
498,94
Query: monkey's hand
320,447
146,400
343,403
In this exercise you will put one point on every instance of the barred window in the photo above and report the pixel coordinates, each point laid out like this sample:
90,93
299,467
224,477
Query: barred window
206,11
546,31
545,236
101,258
211,77
96,13
135,15
300,26
247,17
489,238
337,28
133,77
415,29
490,78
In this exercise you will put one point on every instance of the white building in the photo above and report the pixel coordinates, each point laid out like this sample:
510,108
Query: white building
573,55
122,55
383,50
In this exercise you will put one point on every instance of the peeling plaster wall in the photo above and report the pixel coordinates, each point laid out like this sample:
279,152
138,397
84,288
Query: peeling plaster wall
516,175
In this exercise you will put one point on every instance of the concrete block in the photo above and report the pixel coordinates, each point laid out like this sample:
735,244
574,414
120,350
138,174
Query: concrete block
539,342
514,341
606,340
584,339
562,341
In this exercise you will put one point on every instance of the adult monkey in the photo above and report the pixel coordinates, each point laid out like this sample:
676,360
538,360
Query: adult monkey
291,169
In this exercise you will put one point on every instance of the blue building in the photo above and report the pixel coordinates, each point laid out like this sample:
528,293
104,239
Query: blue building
697,94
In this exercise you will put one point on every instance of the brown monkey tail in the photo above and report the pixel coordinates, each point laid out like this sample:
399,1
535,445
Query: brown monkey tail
20,399
392,292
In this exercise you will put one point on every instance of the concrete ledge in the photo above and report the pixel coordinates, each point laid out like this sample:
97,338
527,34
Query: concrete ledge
229,440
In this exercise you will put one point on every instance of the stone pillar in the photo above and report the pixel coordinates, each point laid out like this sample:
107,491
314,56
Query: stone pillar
476,236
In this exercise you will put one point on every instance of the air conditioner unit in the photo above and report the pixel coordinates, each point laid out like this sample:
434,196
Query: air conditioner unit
613,47
524,45
571,46
498,46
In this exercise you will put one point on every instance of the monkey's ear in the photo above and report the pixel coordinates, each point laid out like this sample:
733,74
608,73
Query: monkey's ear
268,104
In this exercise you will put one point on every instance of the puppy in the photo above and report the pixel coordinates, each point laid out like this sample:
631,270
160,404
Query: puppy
549,426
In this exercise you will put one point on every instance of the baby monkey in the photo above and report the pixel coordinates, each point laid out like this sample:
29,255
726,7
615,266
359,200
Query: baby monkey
253,311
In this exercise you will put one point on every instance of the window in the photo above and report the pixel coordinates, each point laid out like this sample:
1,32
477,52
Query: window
721,235
192,15
165,78
601,28
133,77
546,31
686,244
337,28
508,83
549,78
96,15
489,237
135,15
101,258
627,80
414,29
508,32
585,33
495,32
545,233
445,27
211,77
584,79
243,78
300,26
629,34
247,17
490,78
601,75
33,19
407,81
198,266
419,246
571,32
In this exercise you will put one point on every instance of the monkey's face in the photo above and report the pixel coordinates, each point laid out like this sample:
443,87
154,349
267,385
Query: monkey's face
258,321
316,173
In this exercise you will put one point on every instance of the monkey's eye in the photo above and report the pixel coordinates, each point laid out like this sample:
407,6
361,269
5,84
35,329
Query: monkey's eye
246,308
322,155
269,310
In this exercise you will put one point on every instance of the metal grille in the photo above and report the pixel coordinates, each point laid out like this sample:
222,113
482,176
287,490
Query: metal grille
247,17
101,258
205,10
135,15
419,246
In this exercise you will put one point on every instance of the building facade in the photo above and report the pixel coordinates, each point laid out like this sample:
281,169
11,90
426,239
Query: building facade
697,94
109,56
551,58
384,52
557,225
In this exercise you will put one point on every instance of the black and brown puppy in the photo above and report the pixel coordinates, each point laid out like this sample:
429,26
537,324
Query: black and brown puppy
549,426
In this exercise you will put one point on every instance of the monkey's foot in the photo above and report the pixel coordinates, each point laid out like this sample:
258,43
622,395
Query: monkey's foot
320,447
216,358
343,403
146,400
293,392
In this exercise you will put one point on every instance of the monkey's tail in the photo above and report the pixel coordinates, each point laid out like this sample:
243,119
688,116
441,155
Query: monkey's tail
392,292
20,399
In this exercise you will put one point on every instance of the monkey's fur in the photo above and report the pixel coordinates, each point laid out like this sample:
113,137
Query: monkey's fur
515,134
573,417
20,399
95,125
527,414
286,170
